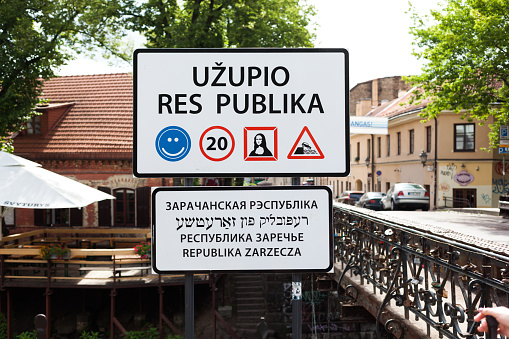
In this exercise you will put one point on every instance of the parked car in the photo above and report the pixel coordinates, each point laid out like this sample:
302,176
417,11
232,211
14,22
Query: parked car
406,196
371,200
350,197
309,182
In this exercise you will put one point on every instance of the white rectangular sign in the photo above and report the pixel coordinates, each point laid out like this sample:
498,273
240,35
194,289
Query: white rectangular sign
369,125
241,112
227,229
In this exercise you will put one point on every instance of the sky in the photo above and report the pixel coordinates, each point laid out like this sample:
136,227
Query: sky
375,33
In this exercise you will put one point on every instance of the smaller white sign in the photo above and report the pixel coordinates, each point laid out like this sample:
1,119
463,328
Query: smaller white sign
228,229
369,125
504,133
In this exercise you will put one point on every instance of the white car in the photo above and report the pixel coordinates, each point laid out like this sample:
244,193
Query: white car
406,196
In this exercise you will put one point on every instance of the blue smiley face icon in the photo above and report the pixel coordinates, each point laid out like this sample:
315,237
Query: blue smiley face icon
173,143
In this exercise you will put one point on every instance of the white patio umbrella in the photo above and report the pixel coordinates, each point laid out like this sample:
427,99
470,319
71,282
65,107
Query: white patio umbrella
25,184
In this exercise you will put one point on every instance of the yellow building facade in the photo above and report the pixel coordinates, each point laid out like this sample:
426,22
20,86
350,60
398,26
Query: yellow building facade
457,172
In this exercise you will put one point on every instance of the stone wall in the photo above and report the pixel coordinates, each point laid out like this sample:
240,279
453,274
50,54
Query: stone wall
385,89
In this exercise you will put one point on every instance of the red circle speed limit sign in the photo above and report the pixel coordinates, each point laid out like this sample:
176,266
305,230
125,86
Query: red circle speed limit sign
217,143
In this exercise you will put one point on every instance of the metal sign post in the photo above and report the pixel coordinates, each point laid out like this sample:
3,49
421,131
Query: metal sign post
503,149
297,293
189,291
189,305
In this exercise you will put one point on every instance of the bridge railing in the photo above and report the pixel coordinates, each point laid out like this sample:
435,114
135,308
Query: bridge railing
436,278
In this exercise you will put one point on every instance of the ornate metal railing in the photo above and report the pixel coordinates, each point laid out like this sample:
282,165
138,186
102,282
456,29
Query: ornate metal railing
440,281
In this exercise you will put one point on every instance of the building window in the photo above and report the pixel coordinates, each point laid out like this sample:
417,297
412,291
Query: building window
34,125
379,147
124,207
358,150
56,217
388,145
411,136
64,217
369,149
464,137
399,143
428,139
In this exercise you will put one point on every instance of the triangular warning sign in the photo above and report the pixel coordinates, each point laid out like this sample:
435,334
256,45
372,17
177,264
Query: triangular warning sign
305,147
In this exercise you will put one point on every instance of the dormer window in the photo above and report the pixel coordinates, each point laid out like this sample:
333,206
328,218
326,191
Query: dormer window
34,125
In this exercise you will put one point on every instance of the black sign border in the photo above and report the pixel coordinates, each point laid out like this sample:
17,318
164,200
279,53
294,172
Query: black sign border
247,189
240,50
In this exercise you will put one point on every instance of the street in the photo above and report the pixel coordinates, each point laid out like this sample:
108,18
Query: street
488,227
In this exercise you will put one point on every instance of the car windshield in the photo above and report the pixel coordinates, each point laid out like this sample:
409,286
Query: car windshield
355,195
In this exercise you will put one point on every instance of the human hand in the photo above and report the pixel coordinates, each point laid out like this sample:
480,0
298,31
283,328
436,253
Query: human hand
501,314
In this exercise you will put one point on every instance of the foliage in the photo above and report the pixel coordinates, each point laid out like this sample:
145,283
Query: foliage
238,182
467,71
27,335
58,250
224,23
89,335
143,249
36,37
150,333
3,326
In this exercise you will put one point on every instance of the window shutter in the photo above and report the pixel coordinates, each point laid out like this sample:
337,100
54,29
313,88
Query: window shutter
105,208
39,217
76,217
143,206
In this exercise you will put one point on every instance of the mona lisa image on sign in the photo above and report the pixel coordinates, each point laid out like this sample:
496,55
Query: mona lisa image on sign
260,144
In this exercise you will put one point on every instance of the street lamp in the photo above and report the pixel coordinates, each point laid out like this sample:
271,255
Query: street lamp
367,165
424,158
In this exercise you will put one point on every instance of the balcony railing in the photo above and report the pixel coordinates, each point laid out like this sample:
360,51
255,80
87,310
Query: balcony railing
438,280
96,256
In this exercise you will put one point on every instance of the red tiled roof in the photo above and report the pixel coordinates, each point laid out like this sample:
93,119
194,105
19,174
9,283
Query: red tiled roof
99,122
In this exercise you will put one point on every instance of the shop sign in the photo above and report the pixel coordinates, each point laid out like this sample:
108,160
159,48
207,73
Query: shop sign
463,178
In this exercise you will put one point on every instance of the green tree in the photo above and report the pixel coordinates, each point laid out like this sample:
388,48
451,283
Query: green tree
224,23
36,37
466,49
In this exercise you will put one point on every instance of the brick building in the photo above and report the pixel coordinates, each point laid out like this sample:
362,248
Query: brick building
372,93
85,132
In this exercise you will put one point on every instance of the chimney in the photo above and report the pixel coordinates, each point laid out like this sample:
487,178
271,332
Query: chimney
374,93
363,107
